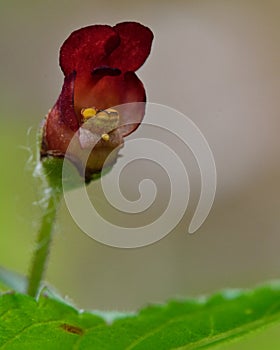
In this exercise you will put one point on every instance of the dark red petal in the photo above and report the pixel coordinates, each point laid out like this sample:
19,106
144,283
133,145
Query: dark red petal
132,110
56,135
85,48
111,91
61,122
135,46
66,103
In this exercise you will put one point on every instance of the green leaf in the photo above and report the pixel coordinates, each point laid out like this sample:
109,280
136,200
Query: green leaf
183,324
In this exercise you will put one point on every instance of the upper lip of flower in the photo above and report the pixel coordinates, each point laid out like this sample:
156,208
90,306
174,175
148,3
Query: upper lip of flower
124,46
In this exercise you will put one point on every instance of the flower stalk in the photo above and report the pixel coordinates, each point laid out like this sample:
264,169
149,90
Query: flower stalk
50,172
43,243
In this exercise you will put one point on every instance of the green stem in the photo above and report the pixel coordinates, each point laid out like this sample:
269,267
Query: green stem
43,243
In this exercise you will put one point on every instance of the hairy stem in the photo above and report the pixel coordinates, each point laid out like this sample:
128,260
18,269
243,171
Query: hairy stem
43,242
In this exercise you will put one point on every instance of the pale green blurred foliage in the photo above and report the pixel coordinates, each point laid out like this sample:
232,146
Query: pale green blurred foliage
216,61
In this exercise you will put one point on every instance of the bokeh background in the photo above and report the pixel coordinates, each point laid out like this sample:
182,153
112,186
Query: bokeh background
216,61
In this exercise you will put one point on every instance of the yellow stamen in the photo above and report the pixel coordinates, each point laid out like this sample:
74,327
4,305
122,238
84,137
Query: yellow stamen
88,112
105,137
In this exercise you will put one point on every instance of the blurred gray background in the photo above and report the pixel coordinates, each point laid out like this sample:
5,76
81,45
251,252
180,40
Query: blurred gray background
216,61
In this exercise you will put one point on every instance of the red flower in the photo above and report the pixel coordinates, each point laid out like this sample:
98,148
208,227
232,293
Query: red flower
98,62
